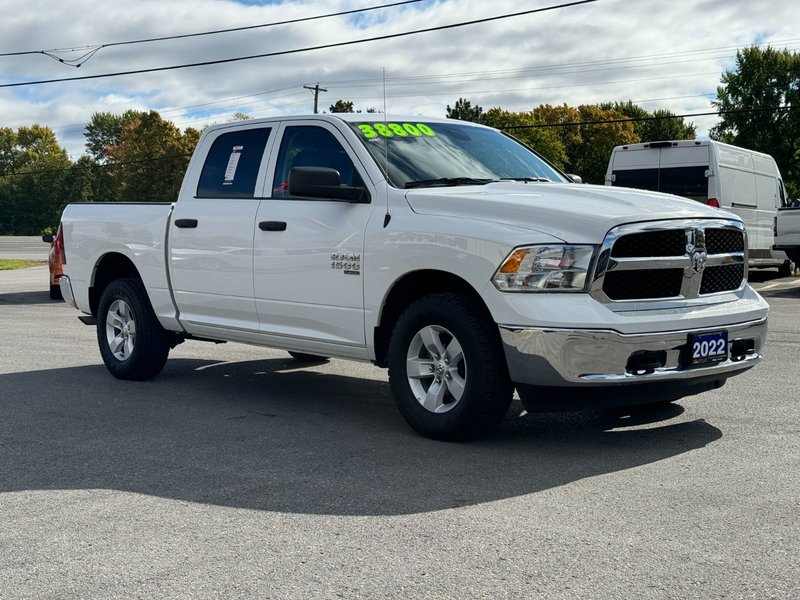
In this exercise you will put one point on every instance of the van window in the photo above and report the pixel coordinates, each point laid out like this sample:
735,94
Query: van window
782,192
641,179
232,164
689,182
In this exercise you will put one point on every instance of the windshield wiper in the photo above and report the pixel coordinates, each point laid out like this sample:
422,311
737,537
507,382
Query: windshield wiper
447,181
526,179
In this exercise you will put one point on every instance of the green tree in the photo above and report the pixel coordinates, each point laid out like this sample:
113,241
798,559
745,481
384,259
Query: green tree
105,129
103,132
665,126
587,138
347,106
590,158
342,106
87,181
149,159
659,125
524,127
464,111
562,121
34,172
761,81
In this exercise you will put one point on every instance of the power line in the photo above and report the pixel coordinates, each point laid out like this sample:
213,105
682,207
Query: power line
483,75
641,119
508,128
91,49
300,50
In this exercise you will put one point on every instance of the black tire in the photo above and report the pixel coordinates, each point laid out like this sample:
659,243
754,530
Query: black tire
785,270
55,293
309,358
142,353
474,391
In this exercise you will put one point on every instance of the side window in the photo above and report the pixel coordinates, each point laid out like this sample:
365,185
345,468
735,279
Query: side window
309,146
232,164
782,192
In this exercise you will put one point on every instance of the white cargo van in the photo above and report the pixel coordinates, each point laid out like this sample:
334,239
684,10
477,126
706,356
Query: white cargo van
741,181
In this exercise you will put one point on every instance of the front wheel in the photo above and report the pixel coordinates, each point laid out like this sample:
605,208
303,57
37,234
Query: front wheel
132,342
446,368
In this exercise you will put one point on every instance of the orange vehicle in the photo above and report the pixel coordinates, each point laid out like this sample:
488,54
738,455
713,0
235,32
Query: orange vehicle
55,261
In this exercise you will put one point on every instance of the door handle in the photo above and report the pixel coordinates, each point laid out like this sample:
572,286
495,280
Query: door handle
272,225
186,223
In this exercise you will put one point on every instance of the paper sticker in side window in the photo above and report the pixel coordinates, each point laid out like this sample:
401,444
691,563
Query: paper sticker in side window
233,162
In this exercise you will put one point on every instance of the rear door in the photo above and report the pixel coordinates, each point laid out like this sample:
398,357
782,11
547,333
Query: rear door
211,236
678,170
683,171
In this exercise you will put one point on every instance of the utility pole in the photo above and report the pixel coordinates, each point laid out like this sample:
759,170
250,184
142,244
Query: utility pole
316,89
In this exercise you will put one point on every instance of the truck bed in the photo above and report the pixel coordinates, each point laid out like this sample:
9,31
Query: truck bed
137,231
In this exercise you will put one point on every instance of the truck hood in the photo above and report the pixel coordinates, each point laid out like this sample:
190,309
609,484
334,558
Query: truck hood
571,212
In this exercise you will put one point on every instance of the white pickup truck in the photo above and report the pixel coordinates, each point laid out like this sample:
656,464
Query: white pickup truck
443,250
786,229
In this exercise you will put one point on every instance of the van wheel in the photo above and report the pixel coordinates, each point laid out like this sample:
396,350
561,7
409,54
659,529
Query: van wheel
309,358
447,369
785,270
55,293
132,342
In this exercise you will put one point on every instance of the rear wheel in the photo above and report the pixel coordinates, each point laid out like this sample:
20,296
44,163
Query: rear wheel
132,342
447,369
785,270
55,293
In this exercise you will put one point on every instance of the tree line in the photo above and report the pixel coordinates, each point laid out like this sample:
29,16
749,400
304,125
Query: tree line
139,156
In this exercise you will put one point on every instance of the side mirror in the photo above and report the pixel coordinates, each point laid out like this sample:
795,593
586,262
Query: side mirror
48,239
322,182
574,178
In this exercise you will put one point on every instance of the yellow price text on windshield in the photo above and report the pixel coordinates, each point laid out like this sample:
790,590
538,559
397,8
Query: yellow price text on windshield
388,130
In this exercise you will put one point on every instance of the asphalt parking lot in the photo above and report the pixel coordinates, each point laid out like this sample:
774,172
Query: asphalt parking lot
238,474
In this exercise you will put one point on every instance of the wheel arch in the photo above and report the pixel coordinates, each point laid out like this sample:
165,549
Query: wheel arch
111,266
411,287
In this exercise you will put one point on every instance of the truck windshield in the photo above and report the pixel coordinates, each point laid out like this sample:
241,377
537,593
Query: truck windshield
448,154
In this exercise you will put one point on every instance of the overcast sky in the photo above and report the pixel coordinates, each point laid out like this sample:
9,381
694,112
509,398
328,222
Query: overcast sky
658,53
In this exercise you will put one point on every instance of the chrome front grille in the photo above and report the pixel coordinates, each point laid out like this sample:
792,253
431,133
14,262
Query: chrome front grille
671,260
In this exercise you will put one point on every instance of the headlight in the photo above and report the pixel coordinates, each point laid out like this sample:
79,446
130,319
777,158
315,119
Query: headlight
551,268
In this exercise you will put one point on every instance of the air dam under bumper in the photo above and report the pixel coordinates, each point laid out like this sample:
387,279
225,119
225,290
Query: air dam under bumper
607,367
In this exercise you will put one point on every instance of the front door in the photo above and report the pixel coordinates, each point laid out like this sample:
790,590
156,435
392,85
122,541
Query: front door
309,252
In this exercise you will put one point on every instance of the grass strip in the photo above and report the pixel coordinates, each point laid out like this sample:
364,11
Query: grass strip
11,264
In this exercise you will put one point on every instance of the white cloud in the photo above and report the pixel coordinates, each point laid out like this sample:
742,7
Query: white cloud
661,54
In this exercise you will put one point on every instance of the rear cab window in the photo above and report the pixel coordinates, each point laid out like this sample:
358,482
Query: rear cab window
232,164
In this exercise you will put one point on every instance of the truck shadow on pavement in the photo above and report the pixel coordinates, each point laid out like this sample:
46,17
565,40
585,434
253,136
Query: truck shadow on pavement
27,298
266,435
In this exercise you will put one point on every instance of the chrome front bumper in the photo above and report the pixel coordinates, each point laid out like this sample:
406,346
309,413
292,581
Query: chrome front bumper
594,358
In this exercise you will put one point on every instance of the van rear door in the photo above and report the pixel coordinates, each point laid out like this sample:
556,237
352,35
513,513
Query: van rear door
663,167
